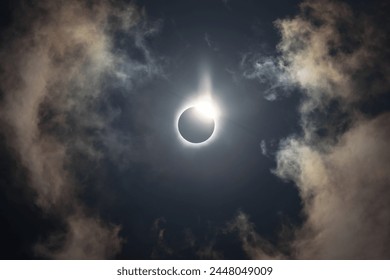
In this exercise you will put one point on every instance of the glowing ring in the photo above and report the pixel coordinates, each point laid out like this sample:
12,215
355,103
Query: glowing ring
207,108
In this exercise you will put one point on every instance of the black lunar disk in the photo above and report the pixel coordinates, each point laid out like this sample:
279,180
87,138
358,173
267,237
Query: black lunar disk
195,127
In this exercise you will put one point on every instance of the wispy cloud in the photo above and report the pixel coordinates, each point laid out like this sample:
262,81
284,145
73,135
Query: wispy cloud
338,60
58,65
269,72
184,244
254,246
345,192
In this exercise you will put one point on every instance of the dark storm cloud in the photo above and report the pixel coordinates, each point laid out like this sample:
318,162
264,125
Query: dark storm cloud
338,59
56,66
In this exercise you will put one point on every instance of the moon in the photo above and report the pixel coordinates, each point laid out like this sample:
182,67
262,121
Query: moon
196,125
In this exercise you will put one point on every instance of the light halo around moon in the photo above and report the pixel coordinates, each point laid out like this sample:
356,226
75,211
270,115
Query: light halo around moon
205,108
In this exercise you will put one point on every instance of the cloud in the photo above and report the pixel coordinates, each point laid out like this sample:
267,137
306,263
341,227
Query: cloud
59,63
161,249
263,147
337,58
87,237
226,4
184,244
254,246
208,252
331,52
345,193
269,72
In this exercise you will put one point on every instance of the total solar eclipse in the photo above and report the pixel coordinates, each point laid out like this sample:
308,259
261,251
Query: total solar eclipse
195,127
197,123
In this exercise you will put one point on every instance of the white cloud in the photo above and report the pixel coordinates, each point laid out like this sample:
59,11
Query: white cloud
56,63
338,59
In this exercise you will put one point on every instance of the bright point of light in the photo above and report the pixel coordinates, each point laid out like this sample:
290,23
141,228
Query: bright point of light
206,108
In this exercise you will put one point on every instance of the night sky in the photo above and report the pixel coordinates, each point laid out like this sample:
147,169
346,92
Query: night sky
92,163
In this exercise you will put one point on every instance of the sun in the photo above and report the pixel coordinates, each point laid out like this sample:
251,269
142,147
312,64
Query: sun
197,122
206,108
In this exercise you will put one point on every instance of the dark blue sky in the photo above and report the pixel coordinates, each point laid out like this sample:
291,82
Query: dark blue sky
170,200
